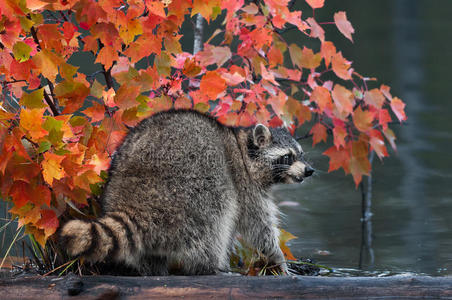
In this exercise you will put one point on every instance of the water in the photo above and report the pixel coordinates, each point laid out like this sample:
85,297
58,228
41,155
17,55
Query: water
406,45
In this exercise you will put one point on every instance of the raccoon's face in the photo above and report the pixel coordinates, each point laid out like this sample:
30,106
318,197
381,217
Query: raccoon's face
280,155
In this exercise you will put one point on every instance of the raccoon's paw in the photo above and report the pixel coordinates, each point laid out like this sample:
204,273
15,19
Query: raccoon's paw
277,259
75,237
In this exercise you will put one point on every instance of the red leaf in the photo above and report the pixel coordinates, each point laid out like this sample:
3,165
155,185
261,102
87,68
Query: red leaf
398,107
377,143
316,30
212,84
384,118
344,26
20,193
319,134
390,136
339,133
339,158
49,222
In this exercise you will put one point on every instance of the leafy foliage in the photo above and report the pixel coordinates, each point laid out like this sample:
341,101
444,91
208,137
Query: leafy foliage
59,126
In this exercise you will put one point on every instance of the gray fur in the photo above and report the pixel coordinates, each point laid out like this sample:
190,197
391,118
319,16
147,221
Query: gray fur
180,187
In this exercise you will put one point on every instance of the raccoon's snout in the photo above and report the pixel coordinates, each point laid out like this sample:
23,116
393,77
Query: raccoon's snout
308,171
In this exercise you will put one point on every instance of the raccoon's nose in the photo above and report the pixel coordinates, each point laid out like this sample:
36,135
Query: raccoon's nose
308,171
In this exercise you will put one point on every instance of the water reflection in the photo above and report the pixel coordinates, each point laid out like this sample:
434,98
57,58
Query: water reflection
403,44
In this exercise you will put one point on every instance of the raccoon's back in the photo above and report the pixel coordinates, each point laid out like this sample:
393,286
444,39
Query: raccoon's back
174,156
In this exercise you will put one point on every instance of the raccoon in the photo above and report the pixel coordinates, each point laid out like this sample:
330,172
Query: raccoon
180,187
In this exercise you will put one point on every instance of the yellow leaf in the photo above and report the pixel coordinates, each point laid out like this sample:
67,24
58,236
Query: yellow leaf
52,168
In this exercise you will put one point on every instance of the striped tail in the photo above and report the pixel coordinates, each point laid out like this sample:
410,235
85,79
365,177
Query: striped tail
114,237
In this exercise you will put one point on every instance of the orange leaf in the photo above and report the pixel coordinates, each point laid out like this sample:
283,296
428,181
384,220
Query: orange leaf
126,96
398,107
343,99
31,120
284,237
322,97
328,50
95,112
106,56
344,26
212,84
319,133
374,97
341,66
363,120
316,3
51,166
339,158
359,162
377,143
339,133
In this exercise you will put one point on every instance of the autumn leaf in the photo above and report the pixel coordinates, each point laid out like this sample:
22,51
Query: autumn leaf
339,158
51,166
33,100
319,134
31,120
21,51
344,26
377,143
398,107
343,99
363,120
341,66
374,97
212,84
322,97
284,237
48,222
359,161
316,3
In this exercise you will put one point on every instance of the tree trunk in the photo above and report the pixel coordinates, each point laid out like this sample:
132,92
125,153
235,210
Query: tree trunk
222,287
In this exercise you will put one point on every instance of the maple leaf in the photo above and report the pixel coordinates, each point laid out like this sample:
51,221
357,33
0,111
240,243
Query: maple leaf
339,133
209,9
398,107
377,143
48,222
95,112
316,3
126,96
284,237
374,97
316,30
322,97
390,136
107,55
319,134
21,51
48,63
51,167
343,99
339,158
212,84
363,120
359,162
341,66
344,26
33,100
31,120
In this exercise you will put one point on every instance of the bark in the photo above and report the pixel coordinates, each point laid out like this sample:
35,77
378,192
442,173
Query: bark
223,286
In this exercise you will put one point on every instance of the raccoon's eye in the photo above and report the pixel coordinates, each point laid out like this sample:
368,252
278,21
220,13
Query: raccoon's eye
288,159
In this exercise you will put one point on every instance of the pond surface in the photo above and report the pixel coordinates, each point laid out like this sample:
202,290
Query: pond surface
405,44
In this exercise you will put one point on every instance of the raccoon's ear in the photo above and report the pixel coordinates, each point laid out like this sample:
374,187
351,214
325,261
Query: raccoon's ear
261,135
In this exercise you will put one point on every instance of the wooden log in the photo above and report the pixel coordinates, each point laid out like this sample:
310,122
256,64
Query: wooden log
226,287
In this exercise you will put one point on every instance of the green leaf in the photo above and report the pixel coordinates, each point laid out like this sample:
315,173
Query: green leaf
21,51
44,146
33,100
163,64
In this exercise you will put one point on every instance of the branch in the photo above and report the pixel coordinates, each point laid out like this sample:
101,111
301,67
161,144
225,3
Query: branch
199,31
